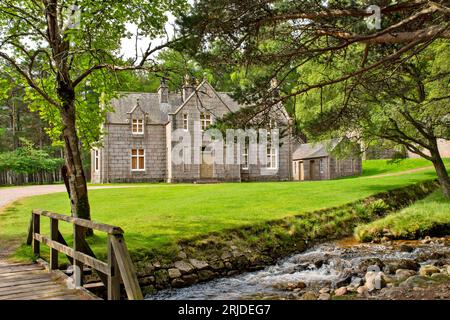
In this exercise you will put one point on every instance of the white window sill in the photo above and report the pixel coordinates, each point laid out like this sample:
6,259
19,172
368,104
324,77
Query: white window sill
137,170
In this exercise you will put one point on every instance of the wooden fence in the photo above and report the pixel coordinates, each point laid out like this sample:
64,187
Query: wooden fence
119,267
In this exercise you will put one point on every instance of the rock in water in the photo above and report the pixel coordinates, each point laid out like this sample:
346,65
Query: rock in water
428,270
406,248
324,296
340,292
402,274
414,281
310,295
362,291
375,280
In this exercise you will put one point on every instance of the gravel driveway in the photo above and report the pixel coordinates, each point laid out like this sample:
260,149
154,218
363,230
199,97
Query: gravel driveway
11,194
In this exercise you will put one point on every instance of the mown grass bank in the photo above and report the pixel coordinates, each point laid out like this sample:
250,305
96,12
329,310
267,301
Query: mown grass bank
427,217
155,217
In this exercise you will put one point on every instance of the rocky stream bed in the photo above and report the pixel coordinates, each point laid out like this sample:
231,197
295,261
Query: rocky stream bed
342,269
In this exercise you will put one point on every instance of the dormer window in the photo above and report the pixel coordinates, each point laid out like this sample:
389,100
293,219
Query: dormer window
138,126
205,120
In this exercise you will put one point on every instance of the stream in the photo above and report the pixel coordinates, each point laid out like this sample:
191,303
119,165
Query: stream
330,264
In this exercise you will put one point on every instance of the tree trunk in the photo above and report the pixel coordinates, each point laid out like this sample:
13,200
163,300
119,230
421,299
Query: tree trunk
441,171
72,155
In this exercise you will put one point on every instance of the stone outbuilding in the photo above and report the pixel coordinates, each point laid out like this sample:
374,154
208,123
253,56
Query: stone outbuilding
315,161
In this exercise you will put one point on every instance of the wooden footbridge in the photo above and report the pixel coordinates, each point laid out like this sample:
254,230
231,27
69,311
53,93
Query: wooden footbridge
44,280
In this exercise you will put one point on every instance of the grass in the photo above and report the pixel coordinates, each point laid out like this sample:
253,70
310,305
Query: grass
430,216
384,166
155,216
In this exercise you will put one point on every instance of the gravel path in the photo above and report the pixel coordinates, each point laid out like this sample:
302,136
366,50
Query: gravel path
11,194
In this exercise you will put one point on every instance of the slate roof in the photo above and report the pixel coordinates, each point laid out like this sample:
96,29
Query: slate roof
149,103
314,150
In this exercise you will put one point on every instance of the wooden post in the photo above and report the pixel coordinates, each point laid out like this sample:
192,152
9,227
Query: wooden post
126,267
30,231
54,237
36,229
114,277
77,265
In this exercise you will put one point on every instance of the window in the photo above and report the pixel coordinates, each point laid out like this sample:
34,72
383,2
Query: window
137,160
185,122
96,160
245,158
321,165
186,158
205,120
138,126
271,158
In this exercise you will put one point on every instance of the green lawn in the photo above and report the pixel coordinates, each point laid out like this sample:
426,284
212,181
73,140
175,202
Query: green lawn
374,167
428,216
154,216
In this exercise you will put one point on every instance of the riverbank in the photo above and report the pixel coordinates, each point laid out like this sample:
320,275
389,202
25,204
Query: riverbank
340,270
226,254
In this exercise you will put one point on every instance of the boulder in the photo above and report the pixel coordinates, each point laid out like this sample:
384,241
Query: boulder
362,291
199,265
393,266
406,248
340,292
428,270
440,277
182,255
324,290
178,283
217,265
225,256
204,275
184,266
174,273
402,274
310,295
364,264
324,296
356,282
375,280
415,281
190,279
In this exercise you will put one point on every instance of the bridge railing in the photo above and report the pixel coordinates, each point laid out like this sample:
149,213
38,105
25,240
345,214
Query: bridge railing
119,266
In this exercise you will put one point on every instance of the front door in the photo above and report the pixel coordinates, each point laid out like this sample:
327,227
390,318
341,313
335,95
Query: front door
206,168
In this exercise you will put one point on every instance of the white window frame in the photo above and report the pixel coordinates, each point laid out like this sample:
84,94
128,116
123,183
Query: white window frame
96,160
185,122
205,120
272,162
245,158
139,126
137,156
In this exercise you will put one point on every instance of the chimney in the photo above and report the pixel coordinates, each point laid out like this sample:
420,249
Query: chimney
163,91
188,86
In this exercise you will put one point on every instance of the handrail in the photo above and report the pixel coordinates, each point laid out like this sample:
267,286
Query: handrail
119,265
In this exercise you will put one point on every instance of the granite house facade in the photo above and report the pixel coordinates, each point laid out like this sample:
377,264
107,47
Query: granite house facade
139,140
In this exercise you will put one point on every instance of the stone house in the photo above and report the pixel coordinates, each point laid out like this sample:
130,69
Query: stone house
314,161
143,132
